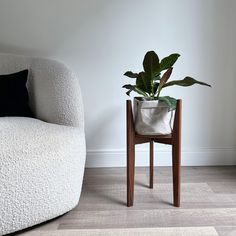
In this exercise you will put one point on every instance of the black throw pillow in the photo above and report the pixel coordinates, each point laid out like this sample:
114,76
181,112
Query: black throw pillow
14,96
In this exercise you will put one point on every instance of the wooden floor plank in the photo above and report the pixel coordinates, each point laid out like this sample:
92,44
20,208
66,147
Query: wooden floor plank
226,230
193,231
223,187
149,218
208,201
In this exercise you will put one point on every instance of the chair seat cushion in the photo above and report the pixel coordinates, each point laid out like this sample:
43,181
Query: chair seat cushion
40,170
30,135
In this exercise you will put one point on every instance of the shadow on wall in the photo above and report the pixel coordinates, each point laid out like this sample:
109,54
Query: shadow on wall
4,48
47,34
103,128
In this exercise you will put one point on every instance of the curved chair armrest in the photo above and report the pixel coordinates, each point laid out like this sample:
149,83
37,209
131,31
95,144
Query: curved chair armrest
55,93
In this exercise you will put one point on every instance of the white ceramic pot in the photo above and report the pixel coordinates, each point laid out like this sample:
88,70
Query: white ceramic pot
152,117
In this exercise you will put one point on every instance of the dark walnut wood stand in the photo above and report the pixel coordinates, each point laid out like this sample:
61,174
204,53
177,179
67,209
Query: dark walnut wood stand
173,139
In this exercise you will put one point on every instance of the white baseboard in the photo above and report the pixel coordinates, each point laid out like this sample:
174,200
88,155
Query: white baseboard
199,157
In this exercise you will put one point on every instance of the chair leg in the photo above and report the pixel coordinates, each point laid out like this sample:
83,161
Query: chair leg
130,174
176,165
151,166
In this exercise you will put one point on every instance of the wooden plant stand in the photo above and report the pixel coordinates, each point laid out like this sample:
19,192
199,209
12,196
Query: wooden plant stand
173,139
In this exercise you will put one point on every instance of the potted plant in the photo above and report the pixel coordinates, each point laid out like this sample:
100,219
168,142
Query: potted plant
153,113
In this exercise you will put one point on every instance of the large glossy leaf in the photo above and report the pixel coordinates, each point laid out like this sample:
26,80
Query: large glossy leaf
151,64
187,81
130,88
171,102
155,87
143,82
169,61
164,79
134,88
130,74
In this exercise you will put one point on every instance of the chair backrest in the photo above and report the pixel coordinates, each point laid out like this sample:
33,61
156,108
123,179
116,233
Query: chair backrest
54,90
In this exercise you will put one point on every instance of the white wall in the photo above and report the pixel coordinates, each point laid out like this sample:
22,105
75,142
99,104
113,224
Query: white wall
101,39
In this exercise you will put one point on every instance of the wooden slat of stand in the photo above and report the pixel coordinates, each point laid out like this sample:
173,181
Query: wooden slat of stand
130,154
173,139
151,165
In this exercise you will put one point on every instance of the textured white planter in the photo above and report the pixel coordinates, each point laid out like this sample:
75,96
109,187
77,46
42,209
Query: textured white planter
152,117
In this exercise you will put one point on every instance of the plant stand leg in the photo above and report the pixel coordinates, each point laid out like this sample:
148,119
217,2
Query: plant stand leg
130,154
130,174
176,163
151,166
176,153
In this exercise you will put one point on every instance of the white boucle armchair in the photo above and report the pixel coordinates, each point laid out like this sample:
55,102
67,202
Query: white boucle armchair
41,160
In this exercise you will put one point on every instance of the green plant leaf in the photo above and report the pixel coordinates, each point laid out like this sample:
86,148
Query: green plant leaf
151,64
187,81
130,74
169,61
149,82
131,88
171,102
155,87
164,79
143,82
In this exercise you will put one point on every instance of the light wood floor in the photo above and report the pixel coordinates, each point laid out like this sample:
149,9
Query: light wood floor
208,199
